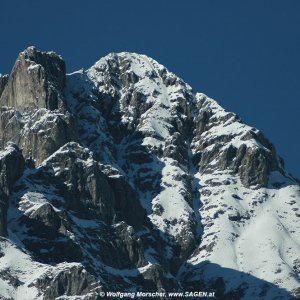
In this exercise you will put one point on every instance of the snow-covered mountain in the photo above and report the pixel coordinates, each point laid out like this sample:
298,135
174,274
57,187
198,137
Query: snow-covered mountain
121,178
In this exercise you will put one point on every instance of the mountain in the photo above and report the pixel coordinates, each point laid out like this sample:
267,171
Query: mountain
122,178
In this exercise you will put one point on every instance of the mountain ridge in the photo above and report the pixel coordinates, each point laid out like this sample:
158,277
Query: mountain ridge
133,181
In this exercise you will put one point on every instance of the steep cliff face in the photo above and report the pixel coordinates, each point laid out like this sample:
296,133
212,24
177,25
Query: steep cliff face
128,180
36,81
11,169
3,82
33,112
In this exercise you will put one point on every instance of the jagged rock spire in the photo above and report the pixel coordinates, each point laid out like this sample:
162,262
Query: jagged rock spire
37,81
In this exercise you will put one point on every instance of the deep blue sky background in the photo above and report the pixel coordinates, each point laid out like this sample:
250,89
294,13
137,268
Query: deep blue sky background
244,54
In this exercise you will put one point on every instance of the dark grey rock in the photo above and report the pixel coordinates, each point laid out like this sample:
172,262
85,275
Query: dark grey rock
253,165
127,205
175,148
10,126
38,139
48,230
11,168
36,81
3,82
85,188
92,192
155,279
41,139
75,281
3,213
125,249
47,222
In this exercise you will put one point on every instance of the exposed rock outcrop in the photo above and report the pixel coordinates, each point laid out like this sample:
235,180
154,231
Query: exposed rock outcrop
3,82
11,168
39,133
75,281
36,81
226,143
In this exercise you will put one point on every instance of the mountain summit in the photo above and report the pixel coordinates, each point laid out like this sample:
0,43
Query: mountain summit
121,178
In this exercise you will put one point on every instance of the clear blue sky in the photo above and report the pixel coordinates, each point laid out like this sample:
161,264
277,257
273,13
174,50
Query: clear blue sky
245,54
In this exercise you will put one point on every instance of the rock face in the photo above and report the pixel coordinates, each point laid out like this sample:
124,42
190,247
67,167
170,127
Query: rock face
39,133
3,82
11,168
243,150
74,281
36,81
33,113
129,181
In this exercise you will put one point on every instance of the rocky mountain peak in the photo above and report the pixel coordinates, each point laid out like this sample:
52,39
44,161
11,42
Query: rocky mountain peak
37,81
128,180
